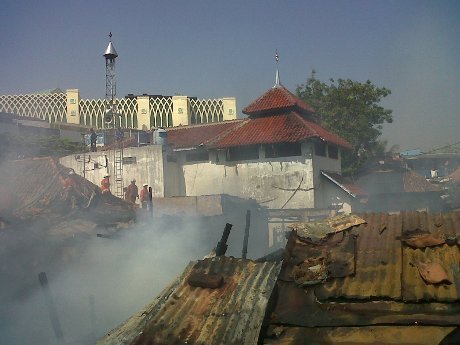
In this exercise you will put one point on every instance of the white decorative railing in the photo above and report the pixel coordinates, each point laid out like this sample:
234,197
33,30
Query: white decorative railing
161,112
50,107
206,110
157,112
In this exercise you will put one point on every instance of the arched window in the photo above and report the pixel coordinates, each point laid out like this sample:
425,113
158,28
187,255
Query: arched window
170,121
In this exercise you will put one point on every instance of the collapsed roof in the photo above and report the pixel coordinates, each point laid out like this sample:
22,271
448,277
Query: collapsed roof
35,187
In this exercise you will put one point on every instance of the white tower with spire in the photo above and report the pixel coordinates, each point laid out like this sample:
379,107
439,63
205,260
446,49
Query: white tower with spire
277,75
110,83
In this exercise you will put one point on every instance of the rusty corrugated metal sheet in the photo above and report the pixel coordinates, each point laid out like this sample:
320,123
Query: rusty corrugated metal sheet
381,257
386,287
182,314
414,289
416,335
378,259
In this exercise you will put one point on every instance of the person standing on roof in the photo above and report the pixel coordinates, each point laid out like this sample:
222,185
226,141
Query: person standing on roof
105,184
144,196
119,134
93,140
132,192
70,190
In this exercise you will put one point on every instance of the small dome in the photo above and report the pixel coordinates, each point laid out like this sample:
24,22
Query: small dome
110,52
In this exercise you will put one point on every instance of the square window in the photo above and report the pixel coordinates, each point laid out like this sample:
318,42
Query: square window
320,148
73,113
72,101
333,151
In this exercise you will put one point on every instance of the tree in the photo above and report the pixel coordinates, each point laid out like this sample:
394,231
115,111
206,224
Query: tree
351,110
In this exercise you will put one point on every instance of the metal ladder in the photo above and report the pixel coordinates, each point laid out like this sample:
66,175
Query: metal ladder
118,170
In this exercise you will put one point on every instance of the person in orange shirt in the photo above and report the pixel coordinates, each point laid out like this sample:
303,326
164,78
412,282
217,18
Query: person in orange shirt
144,196
132,192
70,190
105,184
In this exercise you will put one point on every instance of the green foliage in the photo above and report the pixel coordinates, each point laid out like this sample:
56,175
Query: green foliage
351,110
13,145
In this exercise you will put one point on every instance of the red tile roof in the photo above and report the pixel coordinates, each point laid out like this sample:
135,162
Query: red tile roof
283,120
275,99
193,136
289,128
415,183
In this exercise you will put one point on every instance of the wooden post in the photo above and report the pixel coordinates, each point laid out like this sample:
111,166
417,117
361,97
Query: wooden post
51,308
246,234
92,315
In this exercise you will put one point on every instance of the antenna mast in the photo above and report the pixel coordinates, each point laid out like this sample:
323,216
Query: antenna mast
110,84
112,119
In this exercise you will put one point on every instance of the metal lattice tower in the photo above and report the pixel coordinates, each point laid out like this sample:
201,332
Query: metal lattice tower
110,116
110,82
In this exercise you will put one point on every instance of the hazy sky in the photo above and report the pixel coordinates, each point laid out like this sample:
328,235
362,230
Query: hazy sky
218,48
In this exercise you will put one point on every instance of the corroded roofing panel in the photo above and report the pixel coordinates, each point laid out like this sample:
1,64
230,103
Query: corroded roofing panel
415,289
230,314
386,287
385,267
378,262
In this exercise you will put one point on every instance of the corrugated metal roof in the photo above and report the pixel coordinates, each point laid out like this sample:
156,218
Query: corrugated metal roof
416,335
386,287
183,314
353,189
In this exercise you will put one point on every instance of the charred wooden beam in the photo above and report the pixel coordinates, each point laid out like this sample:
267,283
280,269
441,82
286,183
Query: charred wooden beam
222,244
246,234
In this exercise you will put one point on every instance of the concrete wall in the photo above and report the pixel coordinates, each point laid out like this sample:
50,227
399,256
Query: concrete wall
147,168
326,164
332,195
271,182
287,182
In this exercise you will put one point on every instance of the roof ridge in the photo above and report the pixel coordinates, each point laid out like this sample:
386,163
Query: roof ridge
198,125
305,122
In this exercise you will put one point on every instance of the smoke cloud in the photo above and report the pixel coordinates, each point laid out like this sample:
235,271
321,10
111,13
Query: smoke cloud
107,280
